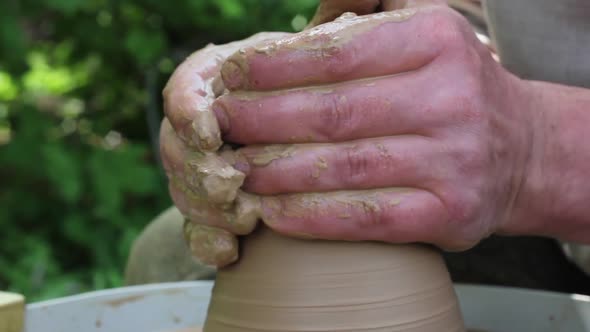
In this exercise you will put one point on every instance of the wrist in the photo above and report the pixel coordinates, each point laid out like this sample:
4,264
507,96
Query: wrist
552,200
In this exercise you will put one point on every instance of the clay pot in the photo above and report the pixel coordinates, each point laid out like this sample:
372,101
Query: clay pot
284,284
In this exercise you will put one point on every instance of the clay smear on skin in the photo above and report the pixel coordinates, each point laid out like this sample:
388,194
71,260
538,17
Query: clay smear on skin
272,153
303,205
364,300
320,89
214,183
343,30
213,178
200,124
324,40
320,165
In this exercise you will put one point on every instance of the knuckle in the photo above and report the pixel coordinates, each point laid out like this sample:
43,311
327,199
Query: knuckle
446,29
335,117
356,166
340,62
463,208
470,158
463,102
463,234
467,110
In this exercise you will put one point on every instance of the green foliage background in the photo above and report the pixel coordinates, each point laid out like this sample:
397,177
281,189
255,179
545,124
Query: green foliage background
80,84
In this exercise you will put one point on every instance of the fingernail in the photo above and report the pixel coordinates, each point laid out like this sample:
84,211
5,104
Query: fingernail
213,178
207,135
217,86
233,76
213,246
221,114
247,213
271,210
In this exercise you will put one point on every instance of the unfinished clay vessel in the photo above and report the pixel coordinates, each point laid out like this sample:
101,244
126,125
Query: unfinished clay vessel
283,284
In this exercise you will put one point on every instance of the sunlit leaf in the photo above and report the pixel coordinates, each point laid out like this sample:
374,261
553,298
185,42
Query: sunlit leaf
230,8
8,88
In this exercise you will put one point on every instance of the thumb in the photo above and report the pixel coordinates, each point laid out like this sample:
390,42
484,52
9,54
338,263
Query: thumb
399,4
329,10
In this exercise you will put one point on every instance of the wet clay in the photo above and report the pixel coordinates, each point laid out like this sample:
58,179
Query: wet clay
284,284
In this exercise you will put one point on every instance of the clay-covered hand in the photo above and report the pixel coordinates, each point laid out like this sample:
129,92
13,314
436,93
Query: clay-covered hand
203,184
396,126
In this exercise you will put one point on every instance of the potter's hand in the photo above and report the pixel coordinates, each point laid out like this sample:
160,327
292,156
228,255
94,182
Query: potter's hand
203,185
400,123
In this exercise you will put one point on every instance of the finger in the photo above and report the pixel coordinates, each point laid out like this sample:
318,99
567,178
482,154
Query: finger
212,246
187,99
401,215
206,174
240,219
364,164
349,48
213,178
335,113
172,150
193,86
328,10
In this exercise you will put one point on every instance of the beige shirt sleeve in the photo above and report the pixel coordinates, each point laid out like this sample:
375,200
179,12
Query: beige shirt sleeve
546,40
160,254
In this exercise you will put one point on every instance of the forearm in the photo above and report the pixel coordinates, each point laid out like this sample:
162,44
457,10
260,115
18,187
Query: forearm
554,199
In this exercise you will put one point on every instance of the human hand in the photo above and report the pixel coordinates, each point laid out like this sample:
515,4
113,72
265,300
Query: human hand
397,127
202,183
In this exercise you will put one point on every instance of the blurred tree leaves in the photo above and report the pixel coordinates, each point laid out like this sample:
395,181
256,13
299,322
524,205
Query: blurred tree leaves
145,46
66,7
79,81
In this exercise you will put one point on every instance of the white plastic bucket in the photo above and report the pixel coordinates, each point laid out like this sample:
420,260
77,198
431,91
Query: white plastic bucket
177,306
